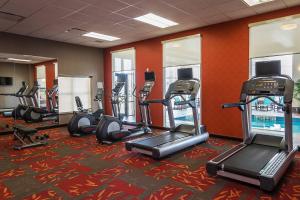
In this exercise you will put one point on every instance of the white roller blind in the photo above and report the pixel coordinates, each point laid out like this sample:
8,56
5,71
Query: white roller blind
69,88
123,60
40,72
182,52
275,38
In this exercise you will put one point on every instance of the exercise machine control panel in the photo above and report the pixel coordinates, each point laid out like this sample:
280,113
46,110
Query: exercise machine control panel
184,87
269,86
148,85
118,88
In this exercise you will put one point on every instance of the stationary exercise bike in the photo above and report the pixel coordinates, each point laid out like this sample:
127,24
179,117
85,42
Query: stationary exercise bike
109,128
84,123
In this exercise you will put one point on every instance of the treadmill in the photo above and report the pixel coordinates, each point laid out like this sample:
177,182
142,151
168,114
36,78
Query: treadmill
263,157
179,137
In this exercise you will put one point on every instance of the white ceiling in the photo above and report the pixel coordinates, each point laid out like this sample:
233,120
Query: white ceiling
34,59
49,19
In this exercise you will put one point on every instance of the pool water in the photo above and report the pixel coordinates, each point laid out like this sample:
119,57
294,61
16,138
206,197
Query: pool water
269,122
259,122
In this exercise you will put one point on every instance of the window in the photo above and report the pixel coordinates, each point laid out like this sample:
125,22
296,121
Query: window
181,53
123,62
69,88
276,40
41,79
55,70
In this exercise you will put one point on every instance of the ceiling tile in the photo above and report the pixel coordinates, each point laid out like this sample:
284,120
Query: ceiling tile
51,18
57,27
132,12
233,5
95,12
2,2
79,17
291,3
268,7
40,19
24,8
5,24
159,7
111,5
240,13
217,19
75,5
130,2
139,26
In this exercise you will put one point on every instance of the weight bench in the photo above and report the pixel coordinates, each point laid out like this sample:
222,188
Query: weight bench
24,136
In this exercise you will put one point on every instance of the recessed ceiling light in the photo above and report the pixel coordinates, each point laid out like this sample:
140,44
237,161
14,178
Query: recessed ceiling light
288,27
100,36
20,60
156,20
256,2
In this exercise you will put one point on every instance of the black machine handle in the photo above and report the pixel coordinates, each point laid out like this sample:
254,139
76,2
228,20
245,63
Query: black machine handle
241,104
155,101
232,105
8,94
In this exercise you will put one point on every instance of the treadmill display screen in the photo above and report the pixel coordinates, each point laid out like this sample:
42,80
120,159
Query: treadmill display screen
121,77
268,68
185,74
149,76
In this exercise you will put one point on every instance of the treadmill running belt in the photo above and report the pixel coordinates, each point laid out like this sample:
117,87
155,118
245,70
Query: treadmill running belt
161,139
250,160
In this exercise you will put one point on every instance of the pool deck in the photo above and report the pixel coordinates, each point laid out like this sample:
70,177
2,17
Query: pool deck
271,114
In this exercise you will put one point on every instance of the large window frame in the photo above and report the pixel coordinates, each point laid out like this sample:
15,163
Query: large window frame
269,41
175,67
128,111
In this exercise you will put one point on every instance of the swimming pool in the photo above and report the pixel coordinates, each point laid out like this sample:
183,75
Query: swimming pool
269,122
258,122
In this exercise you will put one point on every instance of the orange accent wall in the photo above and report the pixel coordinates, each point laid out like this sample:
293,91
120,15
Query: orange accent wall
225,66
50,73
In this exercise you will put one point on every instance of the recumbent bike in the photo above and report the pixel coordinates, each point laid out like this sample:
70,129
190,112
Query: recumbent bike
84,123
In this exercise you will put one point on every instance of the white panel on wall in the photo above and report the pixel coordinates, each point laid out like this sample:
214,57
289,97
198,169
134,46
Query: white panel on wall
275,38
181,52
69,88
123,60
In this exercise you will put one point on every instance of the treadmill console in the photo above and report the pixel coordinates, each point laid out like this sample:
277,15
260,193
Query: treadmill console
269,86
148,85
184,87
119,86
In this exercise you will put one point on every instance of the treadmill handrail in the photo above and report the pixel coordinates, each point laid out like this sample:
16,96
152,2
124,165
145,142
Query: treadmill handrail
241,105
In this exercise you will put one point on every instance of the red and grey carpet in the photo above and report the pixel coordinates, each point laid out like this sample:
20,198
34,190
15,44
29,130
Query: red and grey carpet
80,168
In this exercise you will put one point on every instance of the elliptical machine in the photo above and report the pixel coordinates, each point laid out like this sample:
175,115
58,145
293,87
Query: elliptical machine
84,123
37,114
19,95
19,111
109,128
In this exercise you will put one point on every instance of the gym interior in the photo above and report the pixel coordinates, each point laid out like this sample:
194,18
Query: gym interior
149,99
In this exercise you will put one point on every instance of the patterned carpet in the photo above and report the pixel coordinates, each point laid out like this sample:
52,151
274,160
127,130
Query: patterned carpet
79,168
4,121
